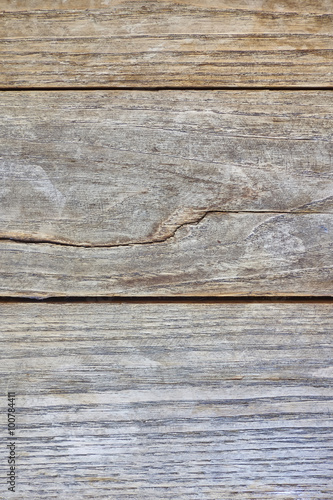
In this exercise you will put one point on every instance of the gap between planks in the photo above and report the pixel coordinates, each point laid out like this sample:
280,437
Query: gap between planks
284,299
273,88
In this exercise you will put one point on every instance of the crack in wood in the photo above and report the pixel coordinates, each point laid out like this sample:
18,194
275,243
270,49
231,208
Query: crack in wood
161,239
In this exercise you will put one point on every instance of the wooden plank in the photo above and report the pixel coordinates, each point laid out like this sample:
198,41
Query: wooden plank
152,44
113,167
223,254
133,193
164,401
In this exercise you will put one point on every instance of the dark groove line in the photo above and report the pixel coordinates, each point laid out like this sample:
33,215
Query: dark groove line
157,88
172,300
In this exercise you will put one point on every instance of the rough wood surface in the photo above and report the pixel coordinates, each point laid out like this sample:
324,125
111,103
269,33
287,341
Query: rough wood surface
118,167
165,401
131,193
223,254
150,43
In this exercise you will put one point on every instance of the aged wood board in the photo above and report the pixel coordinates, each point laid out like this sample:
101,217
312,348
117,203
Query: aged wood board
224,254
166,193
183,43
111,167
166,400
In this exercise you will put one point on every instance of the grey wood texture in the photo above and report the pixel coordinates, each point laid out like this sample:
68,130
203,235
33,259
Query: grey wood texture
224,254
159,193
117,167
164,401
179,43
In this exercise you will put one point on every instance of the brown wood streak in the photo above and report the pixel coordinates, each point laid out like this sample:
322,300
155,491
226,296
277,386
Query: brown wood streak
164,401
153,44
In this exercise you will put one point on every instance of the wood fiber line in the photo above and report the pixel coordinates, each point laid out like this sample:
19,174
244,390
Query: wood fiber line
153,44
156,401
283,7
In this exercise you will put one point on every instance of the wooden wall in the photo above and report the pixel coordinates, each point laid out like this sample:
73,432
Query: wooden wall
166,235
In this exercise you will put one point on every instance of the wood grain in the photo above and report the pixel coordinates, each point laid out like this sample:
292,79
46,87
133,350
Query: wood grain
164,401
152,44
223,254
119,167
159,193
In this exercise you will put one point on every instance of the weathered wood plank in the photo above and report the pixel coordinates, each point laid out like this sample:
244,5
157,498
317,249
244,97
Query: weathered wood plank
165,401
104,168
151,43
151,176
223,254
